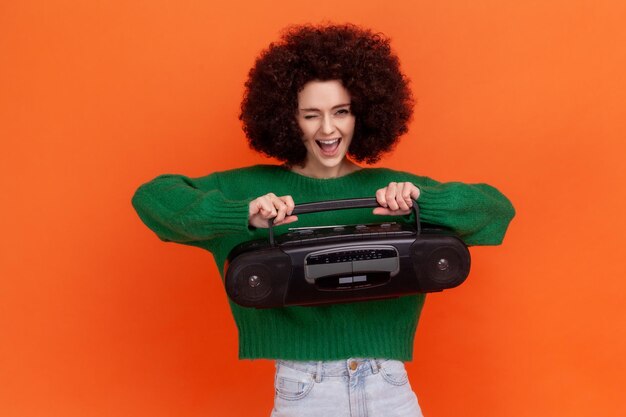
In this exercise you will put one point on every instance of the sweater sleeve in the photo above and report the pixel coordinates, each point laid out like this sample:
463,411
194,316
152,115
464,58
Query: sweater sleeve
479,213
185,210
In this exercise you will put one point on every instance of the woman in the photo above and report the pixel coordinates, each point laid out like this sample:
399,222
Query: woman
321,100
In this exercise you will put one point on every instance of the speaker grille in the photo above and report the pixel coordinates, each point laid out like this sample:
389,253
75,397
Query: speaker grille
250,288
444,265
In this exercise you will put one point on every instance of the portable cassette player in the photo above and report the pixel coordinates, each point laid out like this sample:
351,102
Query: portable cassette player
334,264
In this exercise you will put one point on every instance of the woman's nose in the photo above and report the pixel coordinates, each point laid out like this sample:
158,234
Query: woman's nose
327,125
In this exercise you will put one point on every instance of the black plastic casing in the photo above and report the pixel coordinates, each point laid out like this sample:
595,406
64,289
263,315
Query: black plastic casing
277,272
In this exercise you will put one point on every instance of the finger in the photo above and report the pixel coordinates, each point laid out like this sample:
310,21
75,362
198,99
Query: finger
400,199
407,193
287,220
415,192
410,191
258,206
267,209
381,211
380,197
254,207
288,200
280,207
390,196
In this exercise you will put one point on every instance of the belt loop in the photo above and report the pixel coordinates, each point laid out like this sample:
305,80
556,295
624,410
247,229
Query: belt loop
374,365
318,373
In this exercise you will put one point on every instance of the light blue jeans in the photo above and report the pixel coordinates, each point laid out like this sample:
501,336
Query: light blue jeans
346,388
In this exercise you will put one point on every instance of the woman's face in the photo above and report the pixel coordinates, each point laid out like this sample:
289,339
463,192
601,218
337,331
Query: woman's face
327,124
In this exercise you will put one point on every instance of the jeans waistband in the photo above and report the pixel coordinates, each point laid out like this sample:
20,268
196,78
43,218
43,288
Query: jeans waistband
321,369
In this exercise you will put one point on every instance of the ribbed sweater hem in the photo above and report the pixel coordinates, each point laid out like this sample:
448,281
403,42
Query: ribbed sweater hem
390,341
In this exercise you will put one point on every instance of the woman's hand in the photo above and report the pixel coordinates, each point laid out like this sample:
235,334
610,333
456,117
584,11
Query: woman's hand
396,199
269,206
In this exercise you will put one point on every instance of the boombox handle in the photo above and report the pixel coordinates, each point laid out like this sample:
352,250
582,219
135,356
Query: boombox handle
348,203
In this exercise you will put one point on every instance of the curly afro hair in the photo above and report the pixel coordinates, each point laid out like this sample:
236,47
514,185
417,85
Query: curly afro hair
364,63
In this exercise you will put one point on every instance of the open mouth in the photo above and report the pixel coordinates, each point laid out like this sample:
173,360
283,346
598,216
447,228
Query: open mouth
329,147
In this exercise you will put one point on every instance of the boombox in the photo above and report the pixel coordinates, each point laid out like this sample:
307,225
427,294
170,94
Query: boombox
336,264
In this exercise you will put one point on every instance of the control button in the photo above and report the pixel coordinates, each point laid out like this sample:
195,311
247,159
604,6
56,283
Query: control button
353,365
385,225
361,227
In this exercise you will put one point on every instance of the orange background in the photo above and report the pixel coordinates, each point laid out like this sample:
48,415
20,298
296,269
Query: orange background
100,318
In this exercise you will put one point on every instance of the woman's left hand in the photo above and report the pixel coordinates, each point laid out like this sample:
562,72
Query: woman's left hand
396,198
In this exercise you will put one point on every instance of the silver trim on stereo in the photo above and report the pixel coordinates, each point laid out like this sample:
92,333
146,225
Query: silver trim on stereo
390,264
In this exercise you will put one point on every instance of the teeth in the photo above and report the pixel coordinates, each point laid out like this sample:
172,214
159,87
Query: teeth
328,142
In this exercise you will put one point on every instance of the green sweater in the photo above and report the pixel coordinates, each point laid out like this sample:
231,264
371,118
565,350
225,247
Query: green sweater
211,212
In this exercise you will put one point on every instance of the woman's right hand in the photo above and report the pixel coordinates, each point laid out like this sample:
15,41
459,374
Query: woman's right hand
269,206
